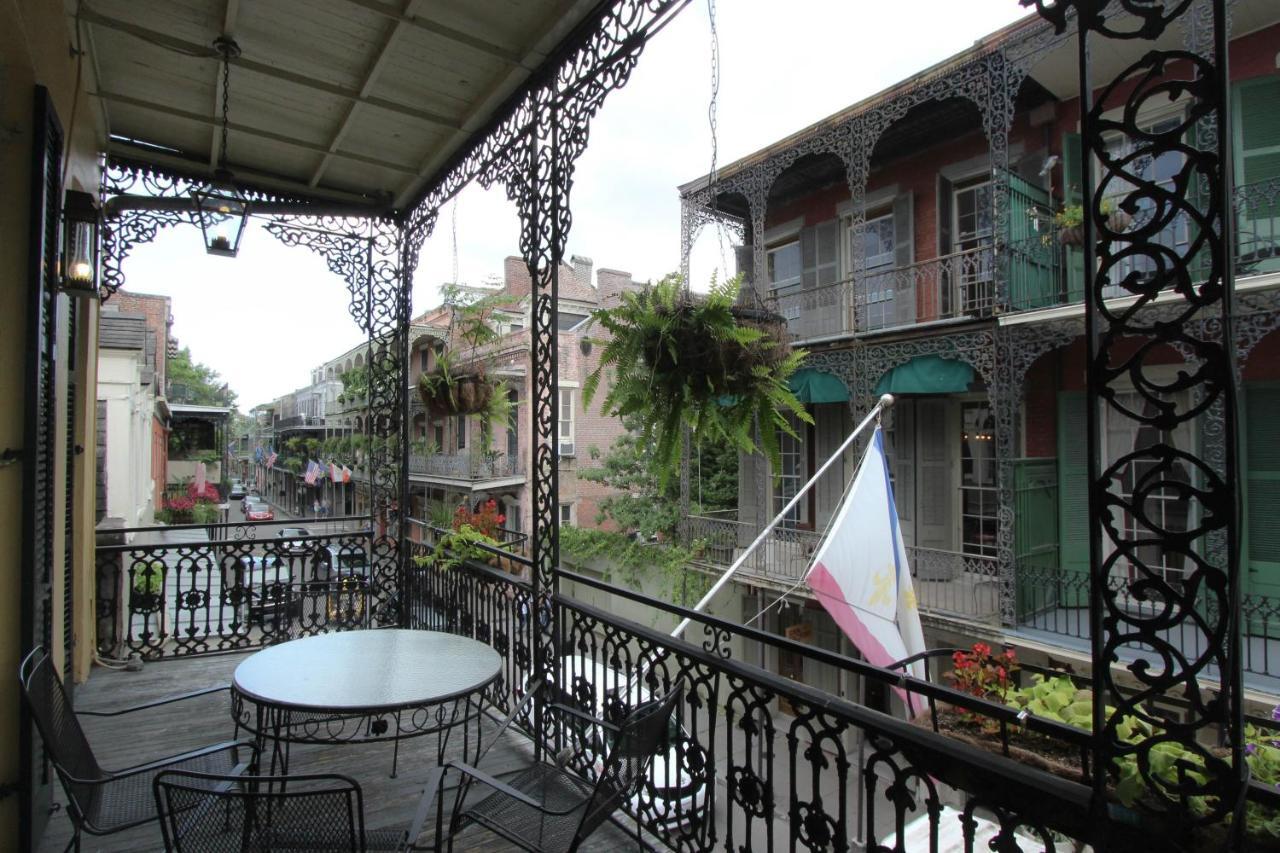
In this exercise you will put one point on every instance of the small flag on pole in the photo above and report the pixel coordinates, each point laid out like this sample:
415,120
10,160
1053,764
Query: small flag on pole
346,474
312,470
334,474
271,460
202,475
860,572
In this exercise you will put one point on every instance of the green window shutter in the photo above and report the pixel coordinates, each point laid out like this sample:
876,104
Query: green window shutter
1259,122
1072,171
1032,263
1262,495
1073,482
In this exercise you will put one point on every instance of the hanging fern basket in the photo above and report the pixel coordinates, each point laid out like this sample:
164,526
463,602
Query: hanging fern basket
455,394
700,361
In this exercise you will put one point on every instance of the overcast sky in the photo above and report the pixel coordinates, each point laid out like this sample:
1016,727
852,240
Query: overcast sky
265,318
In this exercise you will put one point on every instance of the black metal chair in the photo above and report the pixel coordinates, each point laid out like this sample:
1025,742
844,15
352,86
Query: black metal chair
545,807
206,813
102,802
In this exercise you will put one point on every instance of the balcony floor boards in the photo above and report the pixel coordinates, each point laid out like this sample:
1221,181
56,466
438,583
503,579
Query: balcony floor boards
136,738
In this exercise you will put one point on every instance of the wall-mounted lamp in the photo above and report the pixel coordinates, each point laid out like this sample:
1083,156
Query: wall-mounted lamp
79,244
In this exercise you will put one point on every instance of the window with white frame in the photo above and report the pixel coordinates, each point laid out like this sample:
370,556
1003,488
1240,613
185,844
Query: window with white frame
462,432
566,513
784,265
970,271
879,244
565,431
1163,503
979,498
1161,170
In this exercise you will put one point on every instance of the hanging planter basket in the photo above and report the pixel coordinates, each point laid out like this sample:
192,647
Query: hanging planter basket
698,361
1071,235
455,394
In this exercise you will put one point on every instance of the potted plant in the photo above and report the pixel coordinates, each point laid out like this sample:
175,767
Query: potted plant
1070,221
990,676
458,383
701,361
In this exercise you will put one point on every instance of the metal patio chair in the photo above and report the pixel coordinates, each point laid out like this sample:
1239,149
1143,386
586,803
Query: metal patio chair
102,802
207,813
545,807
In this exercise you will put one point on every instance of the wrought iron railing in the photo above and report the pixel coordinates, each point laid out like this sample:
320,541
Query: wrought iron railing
1055,601
759,761
298,421
717,541
949,583
180,591
466,466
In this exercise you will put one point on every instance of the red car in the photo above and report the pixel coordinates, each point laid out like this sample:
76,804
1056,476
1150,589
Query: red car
260,512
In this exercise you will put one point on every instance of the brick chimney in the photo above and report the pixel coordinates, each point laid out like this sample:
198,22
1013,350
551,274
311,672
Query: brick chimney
582,270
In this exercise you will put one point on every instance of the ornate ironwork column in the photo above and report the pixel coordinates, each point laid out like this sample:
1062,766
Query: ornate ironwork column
1189,588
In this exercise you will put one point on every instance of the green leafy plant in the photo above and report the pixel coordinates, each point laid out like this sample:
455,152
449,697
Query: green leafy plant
205,513
1072,215
637,563
456,547
699,361
458,383
148,578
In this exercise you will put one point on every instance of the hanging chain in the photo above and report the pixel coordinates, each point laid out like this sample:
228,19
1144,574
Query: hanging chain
227,49
454,219
226,106
712,124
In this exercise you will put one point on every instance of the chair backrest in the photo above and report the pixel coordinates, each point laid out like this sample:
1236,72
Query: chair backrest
64,741
207,813
642,735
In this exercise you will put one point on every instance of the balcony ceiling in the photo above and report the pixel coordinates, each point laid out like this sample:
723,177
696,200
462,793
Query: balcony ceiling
340,99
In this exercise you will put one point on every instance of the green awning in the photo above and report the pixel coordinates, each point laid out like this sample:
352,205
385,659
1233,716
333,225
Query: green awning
814,386
927,374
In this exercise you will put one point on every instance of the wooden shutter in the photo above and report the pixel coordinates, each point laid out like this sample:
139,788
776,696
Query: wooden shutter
1262,472
1258,119
935,491
1032,264
1073,483
945,191
1072,168
902,460
39,439
904,291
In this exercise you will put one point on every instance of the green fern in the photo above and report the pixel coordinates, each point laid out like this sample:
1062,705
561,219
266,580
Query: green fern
701,362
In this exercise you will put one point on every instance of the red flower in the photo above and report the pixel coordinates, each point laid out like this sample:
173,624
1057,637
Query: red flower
502,519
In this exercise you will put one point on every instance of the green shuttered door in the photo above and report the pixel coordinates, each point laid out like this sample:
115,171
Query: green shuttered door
1262,441
1073,493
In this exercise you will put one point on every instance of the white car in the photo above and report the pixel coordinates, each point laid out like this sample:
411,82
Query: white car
672,796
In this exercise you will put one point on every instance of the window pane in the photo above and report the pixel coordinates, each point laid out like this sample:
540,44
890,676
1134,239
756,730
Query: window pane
784,264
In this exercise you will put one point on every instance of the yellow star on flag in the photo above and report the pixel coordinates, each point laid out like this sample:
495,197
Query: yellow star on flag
881,593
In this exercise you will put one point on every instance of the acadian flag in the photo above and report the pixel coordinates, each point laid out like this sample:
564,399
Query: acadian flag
346,474
860,573
202,476
334,474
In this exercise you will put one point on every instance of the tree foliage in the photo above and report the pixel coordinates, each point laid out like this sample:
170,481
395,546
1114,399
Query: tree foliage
196,384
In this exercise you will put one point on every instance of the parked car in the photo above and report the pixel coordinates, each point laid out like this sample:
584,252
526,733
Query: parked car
236,492
268,588
260,511
298,547
672,795
335,560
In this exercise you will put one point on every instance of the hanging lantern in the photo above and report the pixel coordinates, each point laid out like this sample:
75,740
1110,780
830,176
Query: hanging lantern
222,208
80,245
222,211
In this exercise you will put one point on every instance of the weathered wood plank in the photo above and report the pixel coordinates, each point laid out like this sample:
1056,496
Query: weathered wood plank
126,741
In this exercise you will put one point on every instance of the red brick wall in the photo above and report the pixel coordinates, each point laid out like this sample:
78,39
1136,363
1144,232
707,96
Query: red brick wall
156,310
1263,363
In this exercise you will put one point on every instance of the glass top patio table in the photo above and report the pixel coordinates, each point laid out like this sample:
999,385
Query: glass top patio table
362,686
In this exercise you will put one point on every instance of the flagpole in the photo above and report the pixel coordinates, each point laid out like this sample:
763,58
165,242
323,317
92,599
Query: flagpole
886,402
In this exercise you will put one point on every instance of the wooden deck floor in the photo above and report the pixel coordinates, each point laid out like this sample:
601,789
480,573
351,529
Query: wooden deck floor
389,803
